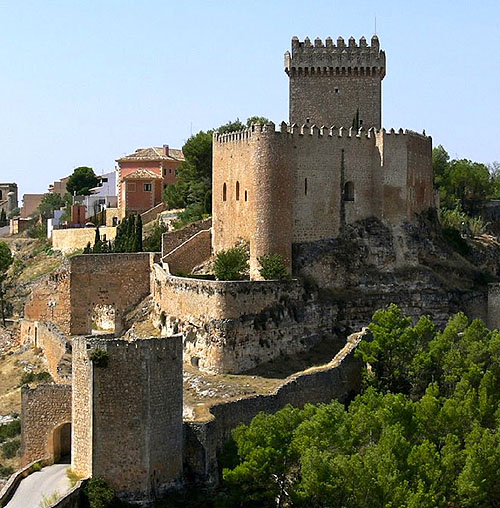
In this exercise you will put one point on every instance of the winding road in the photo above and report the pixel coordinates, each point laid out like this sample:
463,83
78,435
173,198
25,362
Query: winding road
36,486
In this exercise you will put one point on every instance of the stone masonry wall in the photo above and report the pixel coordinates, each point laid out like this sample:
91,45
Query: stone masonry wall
191,253
50,300
43,409
69,240
340,379
119,280
173,239
52,342
493,306
136,415
235,326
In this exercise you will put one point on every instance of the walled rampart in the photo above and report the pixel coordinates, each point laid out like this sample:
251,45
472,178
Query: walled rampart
54,344
328,177
72,239
44,409
233,326
152,214
191,253
119,281
127,414
339,379
173,239
50,301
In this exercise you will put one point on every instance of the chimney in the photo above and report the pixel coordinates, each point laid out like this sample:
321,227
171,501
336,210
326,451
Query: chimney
165,150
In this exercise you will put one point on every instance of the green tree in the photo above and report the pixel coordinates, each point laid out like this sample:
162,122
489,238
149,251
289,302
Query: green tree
231,264
257,119
152,243
234,126
273,267
6,260
49,203
81,181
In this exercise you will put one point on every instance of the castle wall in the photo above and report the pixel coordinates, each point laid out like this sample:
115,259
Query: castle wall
172,239
235,326
330,84
191,253
51,341
493,320
117,280
340,379
43,410
136,416
234,163
330,99
72,239
50,301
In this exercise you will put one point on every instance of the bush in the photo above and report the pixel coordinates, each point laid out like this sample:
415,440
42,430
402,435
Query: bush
273,267
37,467
231,264
9,430
10,448
99,357
33,377
99,493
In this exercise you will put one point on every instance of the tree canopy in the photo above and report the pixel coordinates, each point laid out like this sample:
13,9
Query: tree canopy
424,433
81,181
49,203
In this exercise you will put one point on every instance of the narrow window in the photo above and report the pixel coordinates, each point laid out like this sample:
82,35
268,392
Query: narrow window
336,90
237,191
224,192
147,187
246,195
349,191
305,186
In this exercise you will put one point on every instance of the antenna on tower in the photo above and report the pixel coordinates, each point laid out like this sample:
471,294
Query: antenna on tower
375,24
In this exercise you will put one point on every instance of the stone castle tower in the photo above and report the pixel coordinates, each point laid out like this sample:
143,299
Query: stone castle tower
331,166
336,84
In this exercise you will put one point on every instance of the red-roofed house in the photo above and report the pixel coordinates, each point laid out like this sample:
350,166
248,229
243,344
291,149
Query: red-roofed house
143,175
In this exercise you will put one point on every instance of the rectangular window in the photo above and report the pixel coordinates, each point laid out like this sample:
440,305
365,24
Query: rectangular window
147,187
130,186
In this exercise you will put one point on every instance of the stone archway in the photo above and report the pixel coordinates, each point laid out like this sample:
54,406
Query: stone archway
61,444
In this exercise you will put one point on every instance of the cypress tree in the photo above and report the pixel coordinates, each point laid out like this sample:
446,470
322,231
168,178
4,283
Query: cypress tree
138,234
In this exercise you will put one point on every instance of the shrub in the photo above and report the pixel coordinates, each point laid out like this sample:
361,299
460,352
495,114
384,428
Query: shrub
273,267
10,448
37,467
99,493
32,377
11,429
153,242
48,501
73,477
99,357
231,264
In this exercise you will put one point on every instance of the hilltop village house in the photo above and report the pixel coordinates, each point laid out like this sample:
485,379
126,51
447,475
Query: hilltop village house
143,175
294,191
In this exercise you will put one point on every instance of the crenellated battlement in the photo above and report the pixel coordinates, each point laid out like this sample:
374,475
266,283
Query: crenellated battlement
337,59
309,130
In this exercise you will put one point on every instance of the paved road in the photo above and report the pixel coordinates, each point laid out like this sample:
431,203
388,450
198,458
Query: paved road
31,490
4,230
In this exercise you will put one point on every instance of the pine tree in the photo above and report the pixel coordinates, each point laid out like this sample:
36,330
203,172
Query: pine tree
138,234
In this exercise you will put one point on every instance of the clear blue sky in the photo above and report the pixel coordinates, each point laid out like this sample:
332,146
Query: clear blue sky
84,82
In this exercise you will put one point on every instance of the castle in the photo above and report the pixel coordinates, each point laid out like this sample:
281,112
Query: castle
330,166
292,192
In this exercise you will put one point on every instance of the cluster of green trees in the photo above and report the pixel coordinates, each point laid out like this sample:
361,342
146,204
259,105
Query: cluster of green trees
6,260
193,190
424,432
128,238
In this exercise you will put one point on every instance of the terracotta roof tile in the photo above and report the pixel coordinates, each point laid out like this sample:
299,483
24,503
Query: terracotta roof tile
153,153
142,174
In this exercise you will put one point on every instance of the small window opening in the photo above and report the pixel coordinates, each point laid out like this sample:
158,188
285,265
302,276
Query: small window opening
246,195
305,186
349,191
237,191
224,192
147,187
308,120
336,90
